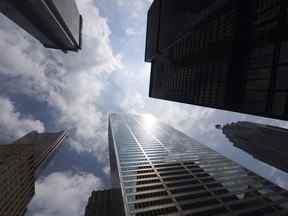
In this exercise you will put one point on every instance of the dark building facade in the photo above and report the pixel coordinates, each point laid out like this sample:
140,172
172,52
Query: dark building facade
264,142
56,24
44,146
106,202
161,171
167,21
20,164
230,55
16,179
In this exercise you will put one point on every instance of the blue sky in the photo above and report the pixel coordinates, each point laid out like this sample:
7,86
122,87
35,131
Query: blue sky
47,90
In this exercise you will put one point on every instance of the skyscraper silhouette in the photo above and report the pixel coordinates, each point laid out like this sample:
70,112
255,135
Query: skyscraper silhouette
264,142
231,55
160,171
20,164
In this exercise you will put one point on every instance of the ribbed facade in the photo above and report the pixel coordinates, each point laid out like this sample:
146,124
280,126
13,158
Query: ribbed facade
264,142
232,56
16,179
44,146
162,171
20,164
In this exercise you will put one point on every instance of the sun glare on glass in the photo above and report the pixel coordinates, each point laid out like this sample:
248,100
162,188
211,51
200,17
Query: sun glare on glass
149,121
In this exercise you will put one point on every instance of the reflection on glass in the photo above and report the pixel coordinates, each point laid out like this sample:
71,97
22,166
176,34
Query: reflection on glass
148,121
164,171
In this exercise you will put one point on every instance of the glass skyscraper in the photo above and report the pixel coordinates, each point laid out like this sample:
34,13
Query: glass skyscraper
161,171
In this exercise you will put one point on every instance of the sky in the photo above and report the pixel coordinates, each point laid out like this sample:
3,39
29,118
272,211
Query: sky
48,90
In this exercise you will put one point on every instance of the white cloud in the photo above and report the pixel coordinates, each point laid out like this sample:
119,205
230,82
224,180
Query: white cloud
13,125
97,53
63,194
70,84
135,78
107,170
24,64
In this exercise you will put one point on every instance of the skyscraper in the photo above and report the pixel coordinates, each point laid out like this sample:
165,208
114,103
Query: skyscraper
231,56
167,21
160,171
16,179
44,146
106,202
264,142
56,24
20,164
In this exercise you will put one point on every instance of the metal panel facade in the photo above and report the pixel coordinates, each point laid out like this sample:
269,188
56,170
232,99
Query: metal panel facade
58,24
70,15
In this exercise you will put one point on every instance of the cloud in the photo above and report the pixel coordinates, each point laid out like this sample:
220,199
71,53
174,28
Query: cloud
13,125
131,32
97,54
137,101
78,88
63,194
135,8
70,84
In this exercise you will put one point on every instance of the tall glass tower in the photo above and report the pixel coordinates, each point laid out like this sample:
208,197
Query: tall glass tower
161,171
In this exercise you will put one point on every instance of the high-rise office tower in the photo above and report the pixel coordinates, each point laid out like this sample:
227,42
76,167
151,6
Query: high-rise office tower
167,21
231,55
16,178
56,24
106,202
20,163
161,171
264,142
44,146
